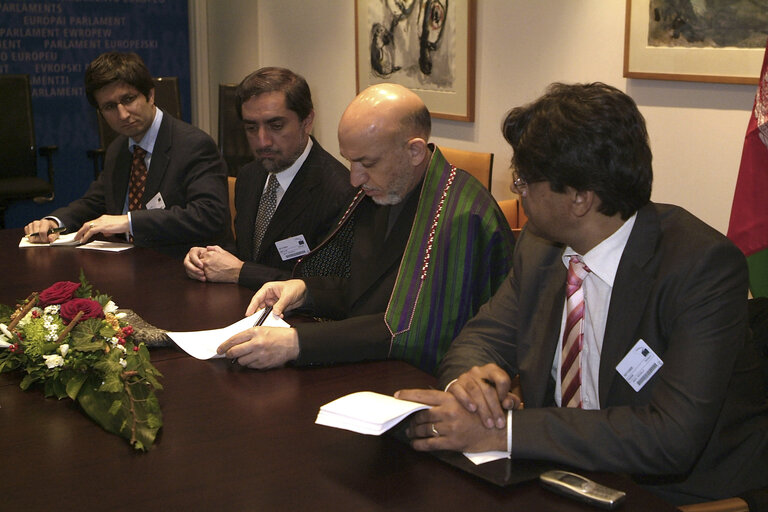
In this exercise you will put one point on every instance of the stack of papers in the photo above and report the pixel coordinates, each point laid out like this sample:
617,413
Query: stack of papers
203,344
69,240
366,412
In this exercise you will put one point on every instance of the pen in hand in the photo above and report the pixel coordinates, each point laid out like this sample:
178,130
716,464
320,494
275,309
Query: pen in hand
263,317
50,232
259,321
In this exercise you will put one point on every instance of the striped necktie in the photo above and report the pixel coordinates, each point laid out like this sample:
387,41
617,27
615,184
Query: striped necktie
573,335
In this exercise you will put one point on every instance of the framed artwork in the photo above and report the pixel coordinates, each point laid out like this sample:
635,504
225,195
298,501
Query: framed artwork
425,45
695,41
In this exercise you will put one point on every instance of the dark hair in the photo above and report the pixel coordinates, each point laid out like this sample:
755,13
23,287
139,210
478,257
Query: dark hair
297,95
588,137
113,67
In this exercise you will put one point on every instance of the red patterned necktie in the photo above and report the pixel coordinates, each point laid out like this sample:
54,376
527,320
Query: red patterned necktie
138,178
573,335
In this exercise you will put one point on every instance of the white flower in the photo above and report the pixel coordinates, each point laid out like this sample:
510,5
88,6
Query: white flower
5,331
110,307
120,347
53,360
64,348
123,362
113,340
52,309
121,315
3,342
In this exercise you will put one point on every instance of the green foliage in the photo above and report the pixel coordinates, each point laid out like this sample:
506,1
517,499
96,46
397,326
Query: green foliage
94,364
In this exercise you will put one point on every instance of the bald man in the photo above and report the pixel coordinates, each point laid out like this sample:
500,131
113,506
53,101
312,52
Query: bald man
419,250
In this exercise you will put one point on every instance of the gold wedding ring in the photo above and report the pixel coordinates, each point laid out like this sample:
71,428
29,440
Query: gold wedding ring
91,225
434,431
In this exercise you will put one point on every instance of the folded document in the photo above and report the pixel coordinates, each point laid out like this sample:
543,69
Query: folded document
366,412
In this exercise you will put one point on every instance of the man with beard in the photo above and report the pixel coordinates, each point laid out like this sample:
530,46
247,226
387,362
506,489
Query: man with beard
420,249
287,199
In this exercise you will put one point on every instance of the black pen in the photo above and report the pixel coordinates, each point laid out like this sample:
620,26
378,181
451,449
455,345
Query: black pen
259,321
50,232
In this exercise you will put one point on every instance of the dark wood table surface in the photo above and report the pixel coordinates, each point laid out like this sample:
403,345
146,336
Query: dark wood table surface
233,438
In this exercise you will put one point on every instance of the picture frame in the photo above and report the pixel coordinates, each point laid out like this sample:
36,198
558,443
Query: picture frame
436,62
725,64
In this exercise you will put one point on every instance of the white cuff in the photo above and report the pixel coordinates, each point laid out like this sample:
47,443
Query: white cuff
509,433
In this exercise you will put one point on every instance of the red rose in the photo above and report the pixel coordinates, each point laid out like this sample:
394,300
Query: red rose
58,293
89,307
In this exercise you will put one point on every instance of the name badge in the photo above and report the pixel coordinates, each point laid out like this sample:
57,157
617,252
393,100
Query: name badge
639,365
292,247
156,203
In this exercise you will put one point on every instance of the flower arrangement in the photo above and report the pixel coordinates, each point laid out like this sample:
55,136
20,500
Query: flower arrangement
70,339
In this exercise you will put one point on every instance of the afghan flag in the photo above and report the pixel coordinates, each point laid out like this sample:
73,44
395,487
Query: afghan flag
748,227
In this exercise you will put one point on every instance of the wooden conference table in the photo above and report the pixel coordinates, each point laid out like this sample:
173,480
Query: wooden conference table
233,438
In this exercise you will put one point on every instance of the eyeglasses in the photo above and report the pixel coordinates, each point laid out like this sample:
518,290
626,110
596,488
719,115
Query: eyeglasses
518,182
111,107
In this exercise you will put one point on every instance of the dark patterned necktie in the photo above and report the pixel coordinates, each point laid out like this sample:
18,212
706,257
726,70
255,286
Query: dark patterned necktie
138,178
267,207
573,335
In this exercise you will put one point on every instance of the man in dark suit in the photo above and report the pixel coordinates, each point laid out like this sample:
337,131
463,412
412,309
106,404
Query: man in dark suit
647,368
312,187
421,248
172,195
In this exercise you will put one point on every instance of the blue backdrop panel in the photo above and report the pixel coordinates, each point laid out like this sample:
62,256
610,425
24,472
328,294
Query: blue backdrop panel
53,42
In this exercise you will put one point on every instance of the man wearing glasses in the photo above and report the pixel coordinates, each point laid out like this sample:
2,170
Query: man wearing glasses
164,182
624,320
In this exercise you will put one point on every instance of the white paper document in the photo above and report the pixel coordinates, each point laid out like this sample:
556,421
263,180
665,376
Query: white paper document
68,239
103,245
366,412
203,344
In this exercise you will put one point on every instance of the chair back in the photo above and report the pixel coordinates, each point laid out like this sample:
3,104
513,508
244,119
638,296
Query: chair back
233,143
514,214
479,165
17,130
232,210
167,97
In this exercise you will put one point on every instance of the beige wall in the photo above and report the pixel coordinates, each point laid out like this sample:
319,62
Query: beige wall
696,129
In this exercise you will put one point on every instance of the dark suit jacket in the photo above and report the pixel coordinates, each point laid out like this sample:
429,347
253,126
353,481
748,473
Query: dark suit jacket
186,169
359,301
700,425
315,200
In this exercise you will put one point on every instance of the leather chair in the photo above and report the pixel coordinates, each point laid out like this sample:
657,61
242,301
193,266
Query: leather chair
479,165
514,213
232,210
233,143
167,97
18,149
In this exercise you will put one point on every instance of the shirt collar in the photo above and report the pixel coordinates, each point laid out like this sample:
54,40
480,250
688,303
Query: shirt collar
284,178
150,137
603,259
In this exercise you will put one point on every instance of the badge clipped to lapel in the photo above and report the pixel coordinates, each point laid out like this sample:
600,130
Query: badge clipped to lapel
292,247
639,365
156,203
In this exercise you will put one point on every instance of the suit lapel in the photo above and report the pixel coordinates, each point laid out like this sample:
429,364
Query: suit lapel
247,217
159,161
121,177
631,289
299,192
543,336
